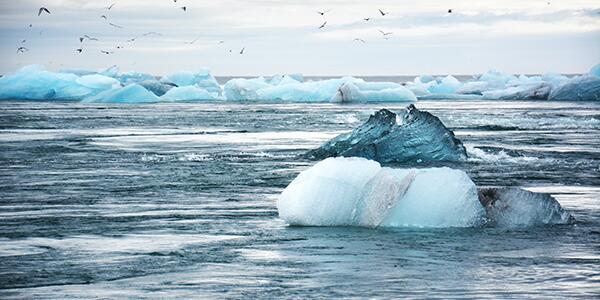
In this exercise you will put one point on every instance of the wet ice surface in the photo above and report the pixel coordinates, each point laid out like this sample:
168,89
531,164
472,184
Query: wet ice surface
178,200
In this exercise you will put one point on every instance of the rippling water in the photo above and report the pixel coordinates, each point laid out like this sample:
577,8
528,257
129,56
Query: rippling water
178,200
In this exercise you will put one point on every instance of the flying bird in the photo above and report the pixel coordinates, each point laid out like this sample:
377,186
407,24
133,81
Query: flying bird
131,40
152,33
30,25
115,25
106,52
110,6
221,42
450,11
42,10
23,41
367,19
242,52
103,17
322,13
359,40
192,42
385,33
22,50
79,50
382,13
323,25
184,8
90,38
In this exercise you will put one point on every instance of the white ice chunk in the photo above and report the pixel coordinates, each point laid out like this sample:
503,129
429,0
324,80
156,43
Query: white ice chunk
358,192
98,82
448,85
595,71
373,92
241,89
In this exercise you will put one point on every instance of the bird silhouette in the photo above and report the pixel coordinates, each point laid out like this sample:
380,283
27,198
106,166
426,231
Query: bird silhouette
42,10
103,17
450,11
385,33
79,50
110,6
242,52
184,8
22,49
115,25
192,42
359,40
106,52
322,13
382,13
323,25
367,19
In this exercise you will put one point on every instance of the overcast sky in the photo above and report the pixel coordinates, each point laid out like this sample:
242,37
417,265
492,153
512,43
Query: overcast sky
282,36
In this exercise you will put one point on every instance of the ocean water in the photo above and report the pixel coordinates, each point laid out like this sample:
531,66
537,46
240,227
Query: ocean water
178,201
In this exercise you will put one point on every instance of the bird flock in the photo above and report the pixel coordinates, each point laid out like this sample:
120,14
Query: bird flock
385,35
86,38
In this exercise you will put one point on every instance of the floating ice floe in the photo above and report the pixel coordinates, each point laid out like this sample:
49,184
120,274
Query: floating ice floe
201,79
409,136
359,192
188,93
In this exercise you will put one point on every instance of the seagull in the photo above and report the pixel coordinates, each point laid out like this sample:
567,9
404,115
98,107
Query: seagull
79,50
359,40
115,25
242,52
30,25
192,42
322,13
382,13
110,6
221,42
131,40
367,19
89,38
22,50
323,25
184,8
23,41
106,52
385,33
450,11
152,33
43,9
103,17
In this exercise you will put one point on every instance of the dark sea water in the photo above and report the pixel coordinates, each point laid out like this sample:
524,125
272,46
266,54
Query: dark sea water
178,201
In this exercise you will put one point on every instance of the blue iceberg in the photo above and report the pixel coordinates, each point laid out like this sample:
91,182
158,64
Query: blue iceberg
188,93
133,93
203,79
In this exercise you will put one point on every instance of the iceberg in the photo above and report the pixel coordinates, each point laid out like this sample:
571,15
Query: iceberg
595,71
134,77
515,207
448,85
203,79
156,87
373,92
410,136
98,82
241,89
581,88
34,83
530,91
187,93
133,93
359,192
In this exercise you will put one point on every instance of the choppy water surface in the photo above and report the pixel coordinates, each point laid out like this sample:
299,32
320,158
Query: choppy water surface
178,200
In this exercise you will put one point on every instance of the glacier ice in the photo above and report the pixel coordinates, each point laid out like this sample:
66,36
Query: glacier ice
595,71
359,192
515,207
409,136
34,83
529,91
133,93
156,87
584,88
373,92
203,79
188,93
447,85
98,82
